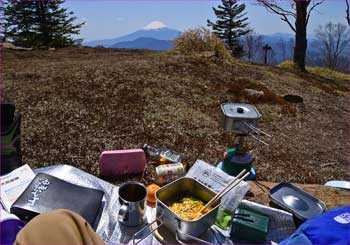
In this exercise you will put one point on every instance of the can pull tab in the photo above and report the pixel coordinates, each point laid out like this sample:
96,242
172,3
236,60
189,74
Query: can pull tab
240,110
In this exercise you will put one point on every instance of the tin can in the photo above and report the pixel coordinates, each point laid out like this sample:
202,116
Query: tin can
166,179
170,169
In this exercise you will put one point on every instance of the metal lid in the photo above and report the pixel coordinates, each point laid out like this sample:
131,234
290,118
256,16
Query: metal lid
239,110
293,199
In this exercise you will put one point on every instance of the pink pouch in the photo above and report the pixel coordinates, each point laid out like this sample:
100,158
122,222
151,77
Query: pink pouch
115,163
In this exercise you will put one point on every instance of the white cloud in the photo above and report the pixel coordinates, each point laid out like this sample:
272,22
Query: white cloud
120,19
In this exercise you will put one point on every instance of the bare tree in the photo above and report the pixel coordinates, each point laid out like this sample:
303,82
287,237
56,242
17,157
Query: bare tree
347,11
290,45
282,45
300,11
271,57
334,39
254,45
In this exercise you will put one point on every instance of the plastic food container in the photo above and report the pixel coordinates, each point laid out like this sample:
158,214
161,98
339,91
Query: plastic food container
250,225
119,162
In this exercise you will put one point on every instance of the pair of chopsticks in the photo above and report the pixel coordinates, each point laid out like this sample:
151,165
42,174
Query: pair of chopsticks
231,185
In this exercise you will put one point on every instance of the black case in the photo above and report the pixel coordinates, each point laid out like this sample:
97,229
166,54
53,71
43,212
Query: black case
46,193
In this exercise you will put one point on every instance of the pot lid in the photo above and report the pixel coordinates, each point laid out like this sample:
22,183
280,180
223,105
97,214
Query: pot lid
239,110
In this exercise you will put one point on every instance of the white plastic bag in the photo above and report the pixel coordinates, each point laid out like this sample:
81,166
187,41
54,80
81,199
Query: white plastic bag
216,179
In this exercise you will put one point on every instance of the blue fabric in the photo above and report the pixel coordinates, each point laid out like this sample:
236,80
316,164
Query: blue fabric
297,239
331,227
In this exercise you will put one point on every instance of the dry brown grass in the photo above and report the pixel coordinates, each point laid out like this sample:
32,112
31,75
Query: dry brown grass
78,102
326,79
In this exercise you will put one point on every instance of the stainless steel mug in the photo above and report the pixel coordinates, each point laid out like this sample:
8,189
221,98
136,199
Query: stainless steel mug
133,201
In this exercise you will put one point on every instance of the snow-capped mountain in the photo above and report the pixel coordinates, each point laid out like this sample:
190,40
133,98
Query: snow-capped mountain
154,30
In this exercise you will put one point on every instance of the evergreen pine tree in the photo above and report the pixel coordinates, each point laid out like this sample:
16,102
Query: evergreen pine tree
18,22
2,23
230,25
40,24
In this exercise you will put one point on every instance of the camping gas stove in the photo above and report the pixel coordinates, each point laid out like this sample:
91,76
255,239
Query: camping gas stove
242,120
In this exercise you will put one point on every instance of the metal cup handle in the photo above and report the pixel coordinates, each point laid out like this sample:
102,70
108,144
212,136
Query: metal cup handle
147,226
123,211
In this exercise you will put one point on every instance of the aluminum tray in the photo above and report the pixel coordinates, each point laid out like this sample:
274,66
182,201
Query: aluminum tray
293,199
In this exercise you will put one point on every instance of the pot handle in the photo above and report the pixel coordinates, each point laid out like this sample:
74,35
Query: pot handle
201,241
147,226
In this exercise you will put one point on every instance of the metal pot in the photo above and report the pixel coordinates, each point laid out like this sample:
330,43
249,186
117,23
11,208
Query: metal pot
185,229
239,118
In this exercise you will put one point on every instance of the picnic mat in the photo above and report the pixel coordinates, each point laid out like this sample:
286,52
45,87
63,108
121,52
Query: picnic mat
109,229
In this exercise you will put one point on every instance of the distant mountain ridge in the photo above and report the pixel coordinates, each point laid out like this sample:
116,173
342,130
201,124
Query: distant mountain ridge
156,36
145,43
163,33
160,39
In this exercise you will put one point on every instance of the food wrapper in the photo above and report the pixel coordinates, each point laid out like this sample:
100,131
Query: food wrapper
216,179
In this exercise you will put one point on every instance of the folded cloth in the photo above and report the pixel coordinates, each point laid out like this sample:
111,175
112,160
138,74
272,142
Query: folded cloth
10,225
331,227
58,227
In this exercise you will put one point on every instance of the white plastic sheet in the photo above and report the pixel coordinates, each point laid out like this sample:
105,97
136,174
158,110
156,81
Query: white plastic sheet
112,232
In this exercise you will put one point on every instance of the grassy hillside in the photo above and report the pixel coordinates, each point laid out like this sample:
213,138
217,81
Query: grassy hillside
78,102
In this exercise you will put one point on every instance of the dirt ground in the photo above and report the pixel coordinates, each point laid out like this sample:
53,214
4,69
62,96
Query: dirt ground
78,102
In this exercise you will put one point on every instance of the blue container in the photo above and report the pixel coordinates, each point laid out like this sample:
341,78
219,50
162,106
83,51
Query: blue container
251,176
234,163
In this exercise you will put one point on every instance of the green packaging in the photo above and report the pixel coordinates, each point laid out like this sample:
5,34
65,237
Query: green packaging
249,225
223,218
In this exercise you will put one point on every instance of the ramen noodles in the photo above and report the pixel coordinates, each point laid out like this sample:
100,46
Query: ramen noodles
188,208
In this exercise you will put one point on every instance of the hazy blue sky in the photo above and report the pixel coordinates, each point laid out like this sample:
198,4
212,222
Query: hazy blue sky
109,19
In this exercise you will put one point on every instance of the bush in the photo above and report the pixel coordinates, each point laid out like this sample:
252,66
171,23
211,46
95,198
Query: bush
287,64
201,40
328,73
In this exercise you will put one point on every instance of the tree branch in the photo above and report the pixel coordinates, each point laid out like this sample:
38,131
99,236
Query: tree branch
311,9
347,12
272,7
284,18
